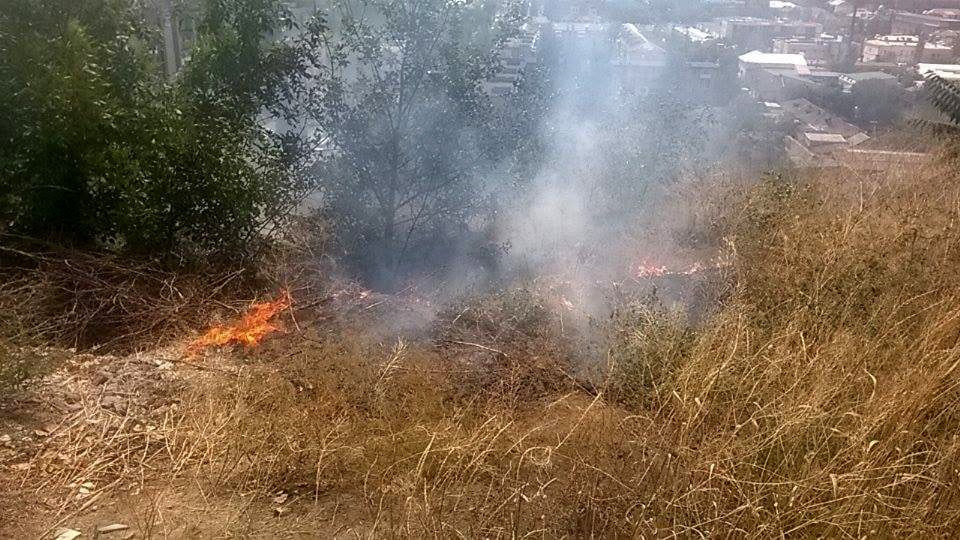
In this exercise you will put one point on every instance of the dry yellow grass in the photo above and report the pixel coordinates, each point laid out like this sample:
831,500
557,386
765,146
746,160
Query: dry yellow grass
821,397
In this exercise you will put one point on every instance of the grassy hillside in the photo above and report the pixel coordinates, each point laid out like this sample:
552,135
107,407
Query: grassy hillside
816,396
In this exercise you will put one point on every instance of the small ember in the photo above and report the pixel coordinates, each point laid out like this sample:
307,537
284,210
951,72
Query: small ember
646,269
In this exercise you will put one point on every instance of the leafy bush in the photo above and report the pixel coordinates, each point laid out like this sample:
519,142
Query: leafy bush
96,149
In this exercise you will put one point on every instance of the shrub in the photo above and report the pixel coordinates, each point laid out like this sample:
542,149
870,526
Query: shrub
17,368
648,345
98,150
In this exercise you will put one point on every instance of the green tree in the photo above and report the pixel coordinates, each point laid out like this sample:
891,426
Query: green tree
944,95
99,150
401,107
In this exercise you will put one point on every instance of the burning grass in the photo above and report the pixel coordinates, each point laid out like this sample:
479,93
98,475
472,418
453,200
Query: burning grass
820,397
253,326
51,295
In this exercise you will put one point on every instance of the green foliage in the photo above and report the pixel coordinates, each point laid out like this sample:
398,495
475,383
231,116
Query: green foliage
945,97
98,150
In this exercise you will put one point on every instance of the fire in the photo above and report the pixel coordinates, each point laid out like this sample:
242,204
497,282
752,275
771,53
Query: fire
646,269
249,331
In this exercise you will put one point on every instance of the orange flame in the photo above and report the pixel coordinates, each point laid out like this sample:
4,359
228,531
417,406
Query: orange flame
249,331
648,270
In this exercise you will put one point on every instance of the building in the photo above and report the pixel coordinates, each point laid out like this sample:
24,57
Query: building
632,47
905,22
809,118
729,8
777,85
639,61
694,34
819,50
867,81
950,72
918,6
819,138
774,77
514,55
840,8
749,33
579,32
781,8
751,63
904,49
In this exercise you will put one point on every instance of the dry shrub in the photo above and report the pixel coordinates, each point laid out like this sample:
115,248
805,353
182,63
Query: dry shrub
386,434
17,367
67,298
820,399
509,345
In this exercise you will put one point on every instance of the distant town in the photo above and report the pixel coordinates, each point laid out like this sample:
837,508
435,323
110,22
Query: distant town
838,82
828,83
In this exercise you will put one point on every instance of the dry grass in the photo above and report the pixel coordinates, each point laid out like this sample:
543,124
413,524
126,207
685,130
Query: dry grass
821,397
53,295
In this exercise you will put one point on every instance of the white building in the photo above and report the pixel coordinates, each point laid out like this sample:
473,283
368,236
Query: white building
514,56
695,34
903,49
949,72
754,64
639,62
819,50
634,48
756,60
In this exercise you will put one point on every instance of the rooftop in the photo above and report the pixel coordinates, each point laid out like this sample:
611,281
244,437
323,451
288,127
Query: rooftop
867,76
695,34
754,21
814,136
822,38
813,74
816,119
944,71
758,57
925,16
950,13
631,36
902,41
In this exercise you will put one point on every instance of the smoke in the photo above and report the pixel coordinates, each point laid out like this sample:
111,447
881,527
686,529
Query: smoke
602,148
612,154
551,225
570,219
